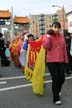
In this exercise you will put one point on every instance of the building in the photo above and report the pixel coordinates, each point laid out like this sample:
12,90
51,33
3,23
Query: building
5,16
8,22
69,17
60,16
21,23
39,24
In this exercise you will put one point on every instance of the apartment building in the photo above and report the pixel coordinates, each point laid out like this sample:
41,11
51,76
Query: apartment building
69,17
39,24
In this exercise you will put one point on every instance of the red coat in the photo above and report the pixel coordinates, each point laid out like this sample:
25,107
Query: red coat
56,48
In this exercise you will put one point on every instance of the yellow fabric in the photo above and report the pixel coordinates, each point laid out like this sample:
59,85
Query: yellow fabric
32,52
38,73
27,70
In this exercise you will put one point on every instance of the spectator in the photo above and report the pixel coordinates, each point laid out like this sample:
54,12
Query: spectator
68,46
23,51
2,48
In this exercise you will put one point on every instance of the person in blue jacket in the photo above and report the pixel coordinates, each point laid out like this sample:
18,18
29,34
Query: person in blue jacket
23,51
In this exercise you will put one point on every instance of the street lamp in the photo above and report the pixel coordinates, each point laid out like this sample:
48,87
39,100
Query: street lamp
56,6
63,18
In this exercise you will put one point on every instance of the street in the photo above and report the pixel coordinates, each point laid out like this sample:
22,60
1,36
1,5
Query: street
16,91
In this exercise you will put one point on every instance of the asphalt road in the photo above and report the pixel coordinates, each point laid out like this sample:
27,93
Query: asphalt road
16,91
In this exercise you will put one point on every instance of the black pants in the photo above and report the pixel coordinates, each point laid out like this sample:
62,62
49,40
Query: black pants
58,77
2,55
69,65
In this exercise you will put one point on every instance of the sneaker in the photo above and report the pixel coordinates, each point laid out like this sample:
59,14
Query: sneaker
58,102
59,93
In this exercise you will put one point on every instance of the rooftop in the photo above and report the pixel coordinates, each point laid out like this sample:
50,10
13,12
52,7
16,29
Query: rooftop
5,14
21,20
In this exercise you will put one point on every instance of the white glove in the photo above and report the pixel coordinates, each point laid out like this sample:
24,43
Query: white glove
25,38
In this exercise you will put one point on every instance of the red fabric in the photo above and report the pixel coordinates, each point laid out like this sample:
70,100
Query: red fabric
19,44
56,48
33,52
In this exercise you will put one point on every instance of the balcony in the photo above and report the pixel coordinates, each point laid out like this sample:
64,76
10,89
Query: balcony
42,27
42,32
41,17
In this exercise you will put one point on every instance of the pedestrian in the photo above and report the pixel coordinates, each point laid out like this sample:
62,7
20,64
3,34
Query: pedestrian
7,51
23,50
2,49
71,49
68,46
56,57
71,43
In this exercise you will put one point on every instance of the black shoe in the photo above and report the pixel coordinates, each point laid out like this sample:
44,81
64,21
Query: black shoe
68,73
0,75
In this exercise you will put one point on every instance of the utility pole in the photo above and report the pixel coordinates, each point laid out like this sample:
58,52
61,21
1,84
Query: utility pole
30,23
63,18
12,25
62,15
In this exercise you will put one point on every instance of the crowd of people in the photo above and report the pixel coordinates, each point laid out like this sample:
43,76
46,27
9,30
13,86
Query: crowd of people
58,55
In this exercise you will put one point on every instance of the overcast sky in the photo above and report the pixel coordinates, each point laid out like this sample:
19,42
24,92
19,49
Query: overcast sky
27,7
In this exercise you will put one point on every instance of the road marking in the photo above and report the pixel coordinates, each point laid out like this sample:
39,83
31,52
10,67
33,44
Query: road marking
3,82
18,77
47,74
7,78
15,87
26,85
68,77
65,78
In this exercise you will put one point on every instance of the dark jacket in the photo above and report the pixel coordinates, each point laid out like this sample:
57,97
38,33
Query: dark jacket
2,48
68,46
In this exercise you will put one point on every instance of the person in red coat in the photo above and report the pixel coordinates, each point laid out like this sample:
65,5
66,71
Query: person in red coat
56,57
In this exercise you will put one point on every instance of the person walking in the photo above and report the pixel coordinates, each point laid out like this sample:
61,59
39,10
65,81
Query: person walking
2,49
68,46
56,57
23,50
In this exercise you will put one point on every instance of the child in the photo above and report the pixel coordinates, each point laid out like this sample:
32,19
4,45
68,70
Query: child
7,51
23,52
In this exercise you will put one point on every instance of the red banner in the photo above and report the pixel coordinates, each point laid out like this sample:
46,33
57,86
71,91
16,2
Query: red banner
33,52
